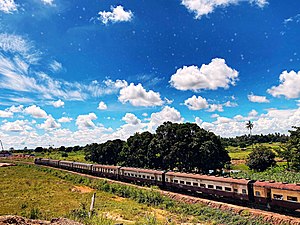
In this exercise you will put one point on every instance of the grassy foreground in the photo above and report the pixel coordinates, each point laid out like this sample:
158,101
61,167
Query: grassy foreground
115,202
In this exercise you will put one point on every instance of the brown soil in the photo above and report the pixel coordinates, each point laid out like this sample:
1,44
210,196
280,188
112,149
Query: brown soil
18,220
82,189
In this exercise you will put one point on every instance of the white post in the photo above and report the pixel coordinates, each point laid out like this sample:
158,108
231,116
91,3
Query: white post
92,205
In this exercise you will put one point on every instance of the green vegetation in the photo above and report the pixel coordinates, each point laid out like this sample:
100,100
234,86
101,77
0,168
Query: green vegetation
261,158
184,147
152,198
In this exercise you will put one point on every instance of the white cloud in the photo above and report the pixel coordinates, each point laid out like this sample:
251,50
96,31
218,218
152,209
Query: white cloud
15,109
118,14
253,113
257,98
196,103
138,96
58,103
8,6
48,2
230,104
6,114
49,124
131,119
65,120
16,126
102,106
205,7
212,76
215,107
167,114
35,112
289,85
84,122
55,66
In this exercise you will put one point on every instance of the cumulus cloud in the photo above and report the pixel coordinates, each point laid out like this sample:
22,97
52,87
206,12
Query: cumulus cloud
58,103
16,126
102,106
35,112
65,120
212,76
166,114
84,122
215,107
117,14
131,119
49,124
15,109
136,95
289,85
48,2
8,6
257,98
196,103
205,7
6,114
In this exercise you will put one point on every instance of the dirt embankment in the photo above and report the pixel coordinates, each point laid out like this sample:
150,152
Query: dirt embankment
18,220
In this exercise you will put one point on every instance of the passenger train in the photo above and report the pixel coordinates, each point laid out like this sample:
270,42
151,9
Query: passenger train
269,193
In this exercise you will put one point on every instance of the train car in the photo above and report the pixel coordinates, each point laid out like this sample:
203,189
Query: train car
66,164
106,171
155,177
212,185
82,167
53,162
38,160
275,194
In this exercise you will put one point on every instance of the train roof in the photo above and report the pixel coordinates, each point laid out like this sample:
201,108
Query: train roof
210,178
277,185
158,172
64,161
83,164
106,166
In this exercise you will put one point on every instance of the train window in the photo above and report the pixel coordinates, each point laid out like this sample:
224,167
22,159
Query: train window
195,184
188,183
291,198
202,185
152,178
210,186
235,190
257,193
244,191
227,189
182,182
140,175
144,176
278,197
175,181
219,188
148,177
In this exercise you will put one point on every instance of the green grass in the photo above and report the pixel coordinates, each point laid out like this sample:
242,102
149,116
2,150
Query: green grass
72,156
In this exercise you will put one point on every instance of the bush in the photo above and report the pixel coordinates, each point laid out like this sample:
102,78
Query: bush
261,158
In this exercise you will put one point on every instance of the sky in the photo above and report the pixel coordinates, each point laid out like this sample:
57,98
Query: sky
80,72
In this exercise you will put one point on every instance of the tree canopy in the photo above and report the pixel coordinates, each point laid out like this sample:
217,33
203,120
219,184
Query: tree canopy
184,147
261,158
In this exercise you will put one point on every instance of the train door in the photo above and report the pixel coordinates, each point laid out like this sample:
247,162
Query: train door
250,191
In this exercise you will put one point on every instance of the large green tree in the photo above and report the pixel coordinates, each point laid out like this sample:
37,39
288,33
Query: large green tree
135,150
261,158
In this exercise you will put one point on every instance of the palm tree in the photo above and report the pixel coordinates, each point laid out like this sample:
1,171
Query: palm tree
249,126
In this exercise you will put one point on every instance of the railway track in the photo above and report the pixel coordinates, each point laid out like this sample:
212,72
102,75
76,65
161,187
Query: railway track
268,216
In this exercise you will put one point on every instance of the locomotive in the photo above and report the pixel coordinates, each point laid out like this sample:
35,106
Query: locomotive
269,193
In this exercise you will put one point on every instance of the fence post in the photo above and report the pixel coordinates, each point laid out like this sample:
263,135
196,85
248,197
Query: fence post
92,205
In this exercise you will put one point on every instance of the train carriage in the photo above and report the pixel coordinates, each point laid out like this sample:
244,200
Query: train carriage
82,167
155,177
106,171
211,185
53,162
66,164
277,194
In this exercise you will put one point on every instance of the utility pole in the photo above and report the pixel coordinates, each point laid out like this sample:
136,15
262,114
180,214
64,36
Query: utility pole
2,145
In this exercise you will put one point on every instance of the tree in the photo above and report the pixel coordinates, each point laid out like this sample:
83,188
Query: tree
261,158
62,148
294,145
39,149
249,126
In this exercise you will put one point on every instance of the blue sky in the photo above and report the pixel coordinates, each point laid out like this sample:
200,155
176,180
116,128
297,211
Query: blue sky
77,72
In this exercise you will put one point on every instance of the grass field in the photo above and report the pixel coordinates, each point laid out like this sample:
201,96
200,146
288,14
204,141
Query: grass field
29,192
44,193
